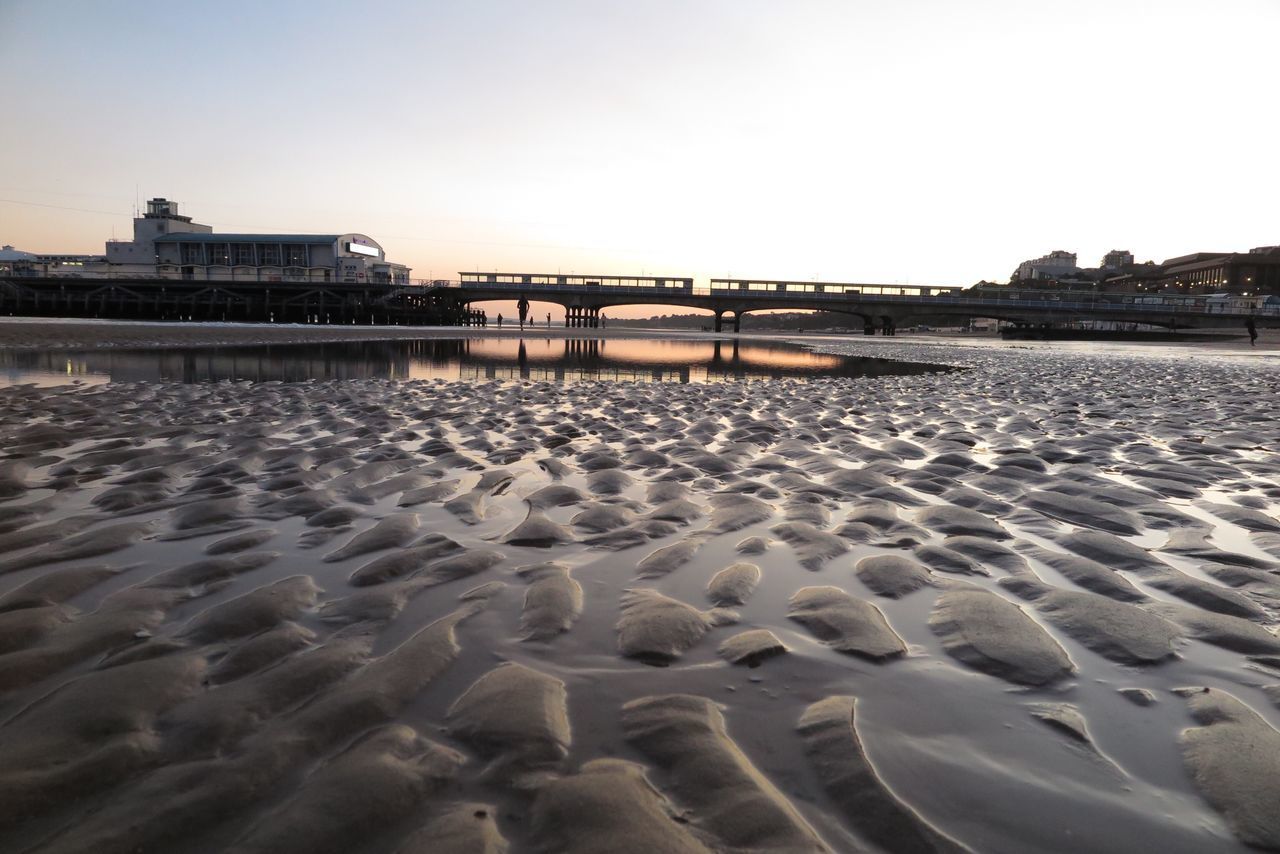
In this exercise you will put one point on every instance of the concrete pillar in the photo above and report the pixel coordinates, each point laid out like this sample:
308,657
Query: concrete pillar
737,322
719,321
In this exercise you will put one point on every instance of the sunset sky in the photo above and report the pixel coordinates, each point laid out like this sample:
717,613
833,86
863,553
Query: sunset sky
919,141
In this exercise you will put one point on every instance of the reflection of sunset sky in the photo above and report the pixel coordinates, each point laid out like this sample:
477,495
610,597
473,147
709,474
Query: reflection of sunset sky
477,359
654,352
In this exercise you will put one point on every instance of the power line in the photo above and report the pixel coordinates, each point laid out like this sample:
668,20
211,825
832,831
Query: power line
60,207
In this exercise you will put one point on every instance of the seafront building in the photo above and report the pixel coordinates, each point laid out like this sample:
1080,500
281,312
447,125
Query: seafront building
168,245
1247,273
1255,273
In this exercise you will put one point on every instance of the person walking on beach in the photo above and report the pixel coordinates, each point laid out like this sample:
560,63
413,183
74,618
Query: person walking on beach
548,320
1253,331
499,321
523,308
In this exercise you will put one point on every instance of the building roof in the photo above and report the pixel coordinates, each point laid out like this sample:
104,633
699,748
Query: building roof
206,237
1195,258
8,253
1210,260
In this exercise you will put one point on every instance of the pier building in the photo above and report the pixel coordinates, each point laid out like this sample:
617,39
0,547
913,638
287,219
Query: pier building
168,245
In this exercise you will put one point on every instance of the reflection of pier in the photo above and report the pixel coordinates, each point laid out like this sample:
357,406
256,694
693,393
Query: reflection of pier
273,363
582,359
561,373
543,360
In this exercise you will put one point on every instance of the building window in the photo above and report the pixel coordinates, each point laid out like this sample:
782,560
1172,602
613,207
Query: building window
243,253
295,254
269,254
219,253
192,253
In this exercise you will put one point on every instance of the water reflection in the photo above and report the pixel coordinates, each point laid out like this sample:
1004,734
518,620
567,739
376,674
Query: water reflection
474,359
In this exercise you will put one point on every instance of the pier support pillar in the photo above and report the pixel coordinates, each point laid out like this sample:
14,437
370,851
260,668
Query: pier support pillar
737,322
719,325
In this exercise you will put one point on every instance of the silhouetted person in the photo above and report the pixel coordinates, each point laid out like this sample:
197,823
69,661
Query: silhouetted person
548,320
1253,331
522,308
499,321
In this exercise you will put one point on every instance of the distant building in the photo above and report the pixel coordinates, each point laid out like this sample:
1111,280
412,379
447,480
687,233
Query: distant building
1117,260
168,245
1056,264
1247,273
15,260
36,264
161,220
1252,273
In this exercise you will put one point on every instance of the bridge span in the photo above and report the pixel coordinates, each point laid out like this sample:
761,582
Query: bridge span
881,307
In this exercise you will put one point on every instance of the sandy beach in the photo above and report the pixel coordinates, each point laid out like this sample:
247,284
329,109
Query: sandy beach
1026,606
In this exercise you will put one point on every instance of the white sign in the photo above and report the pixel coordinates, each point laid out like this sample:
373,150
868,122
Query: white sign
361,249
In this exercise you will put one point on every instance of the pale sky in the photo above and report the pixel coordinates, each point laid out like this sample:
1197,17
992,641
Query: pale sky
920,141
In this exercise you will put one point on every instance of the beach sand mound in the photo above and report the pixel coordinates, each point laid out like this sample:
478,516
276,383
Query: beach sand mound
995,636
833,745
707,774
609,805
1233,756
846,623
734,584
516,717
657,629
892,576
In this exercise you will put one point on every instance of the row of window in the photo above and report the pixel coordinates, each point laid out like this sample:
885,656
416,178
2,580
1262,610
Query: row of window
246,254
828,288
572,281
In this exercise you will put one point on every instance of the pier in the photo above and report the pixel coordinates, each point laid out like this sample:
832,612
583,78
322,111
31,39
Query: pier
883,308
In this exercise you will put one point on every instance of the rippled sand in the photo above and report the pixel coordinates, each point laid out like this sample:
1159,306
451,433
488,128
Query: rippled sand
1030,606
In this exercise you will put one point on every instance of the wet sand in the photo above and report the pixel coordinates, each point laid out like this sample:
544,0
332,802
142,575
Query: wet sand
1029,606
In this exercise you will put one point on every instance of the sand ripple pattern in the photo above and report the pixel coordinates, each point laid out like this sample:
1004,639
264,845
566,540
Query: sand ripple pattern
1028,606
